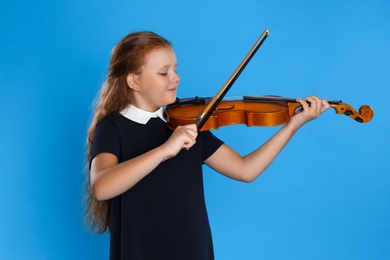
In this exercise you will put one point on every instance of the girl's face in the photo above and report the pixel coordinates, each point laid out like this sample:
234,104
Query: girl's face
157,83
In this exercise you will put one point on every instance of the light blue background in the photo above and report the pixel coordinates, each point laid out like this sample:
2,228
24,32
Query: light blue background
327,196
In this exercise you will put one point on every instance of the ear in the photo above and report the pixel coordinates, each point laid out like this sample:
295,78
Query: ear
132,81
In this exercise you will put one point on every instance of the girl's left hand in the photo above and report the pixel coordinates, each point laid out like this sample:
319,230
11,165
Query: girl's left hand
312,107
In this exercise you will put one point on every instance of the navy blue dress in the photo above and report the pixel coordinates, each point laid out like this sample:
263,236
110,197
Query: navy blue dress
164,215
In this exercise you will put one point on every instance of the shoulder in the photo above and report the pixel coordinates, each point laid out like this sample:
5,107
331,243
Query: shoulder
107,137
209,137
116,121
111,119
209,143
109,129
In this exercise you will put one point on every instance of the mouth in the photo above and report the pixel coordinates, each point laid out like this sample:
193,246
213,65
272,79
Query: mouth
172,89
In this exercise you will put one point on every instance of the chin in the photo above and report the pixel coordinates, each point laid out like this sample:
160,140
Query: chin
171,100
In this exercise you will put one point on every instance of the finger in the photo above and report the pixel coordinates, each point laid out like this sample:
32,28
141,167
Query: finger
318,105
303,103
192,129
189,142
189,134
325,105
322,104
191,126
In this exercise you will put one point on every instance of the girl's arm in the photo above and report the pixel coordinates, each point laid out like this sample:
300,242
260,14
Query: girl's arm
249,167
110,179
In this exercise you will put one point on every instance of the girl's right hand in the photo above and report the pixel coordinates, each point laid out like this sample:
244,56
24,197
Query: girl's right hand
184,137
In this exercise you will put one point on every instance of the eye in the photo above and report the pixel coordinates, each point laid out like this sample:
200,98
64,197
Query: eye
163,73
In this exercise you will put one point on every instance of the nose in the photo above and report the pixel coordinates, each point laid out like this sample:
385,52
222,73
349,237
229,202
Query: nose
175,79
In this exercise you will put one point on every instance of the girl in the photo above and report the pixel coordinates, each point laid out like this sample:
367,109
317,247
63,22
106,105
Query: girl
145,181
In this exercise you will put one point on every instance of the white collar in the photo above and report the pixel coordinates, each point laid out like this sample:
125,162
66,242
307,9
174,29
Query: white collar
141,116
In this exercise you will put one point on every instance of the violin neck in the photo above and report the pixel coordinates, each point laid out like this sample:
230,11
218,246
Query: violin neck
280,99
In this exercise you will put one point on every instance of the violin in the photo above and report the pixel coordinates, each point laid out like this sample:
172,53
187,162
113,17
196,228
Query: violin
211,113
251,111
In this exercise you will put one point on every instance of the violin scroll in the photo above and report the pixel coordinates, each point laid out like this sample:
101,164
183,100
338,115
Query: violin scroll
366,113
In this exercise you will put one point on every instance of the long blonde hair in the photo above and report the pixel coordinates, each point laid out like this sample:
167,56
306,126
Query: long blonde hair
128,56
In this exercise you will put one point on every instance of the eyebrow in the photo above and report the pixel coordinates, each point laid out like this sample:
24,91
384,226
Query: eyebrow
167,66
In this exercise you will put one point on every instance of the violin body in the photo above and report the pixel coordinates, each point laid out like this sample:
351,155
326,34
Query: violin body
250,111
